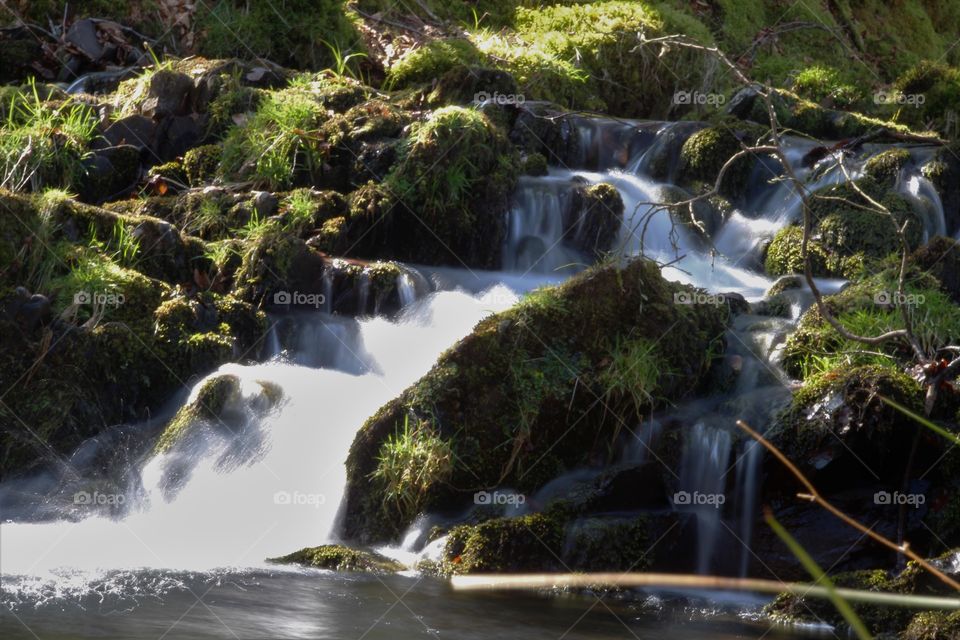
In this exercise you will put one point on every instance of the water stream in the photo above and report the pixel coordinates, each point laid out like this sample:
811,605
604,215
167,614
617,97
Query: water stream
195,526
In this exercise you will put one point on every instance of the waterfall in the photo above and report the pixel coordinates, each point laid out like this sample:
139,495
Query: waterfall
270,484
703,472
273,483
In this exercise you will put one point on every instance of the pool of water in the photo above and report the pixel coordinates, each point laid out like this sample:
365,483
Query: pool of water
152,605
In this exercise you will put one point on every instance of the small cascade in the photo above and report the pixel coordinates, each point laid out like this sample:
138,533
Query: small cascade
747,492
407,290
703,474
535,241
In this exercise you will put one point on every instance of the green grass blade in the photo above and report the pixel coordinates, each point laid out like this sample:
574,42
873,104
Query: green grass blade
820,577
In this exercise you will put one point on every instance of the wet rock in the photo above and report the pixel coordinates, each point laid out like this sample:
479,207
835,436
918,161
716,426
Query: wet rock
941,258
594,218
540,129
589,324
265,203
337,557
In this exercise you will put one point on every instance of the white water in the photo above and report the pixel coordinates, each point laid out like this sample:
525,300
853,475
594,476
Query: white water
233,518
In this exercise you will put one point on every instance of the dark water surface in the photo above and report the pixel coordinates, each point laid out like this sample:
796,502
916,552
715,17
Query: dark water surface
152,605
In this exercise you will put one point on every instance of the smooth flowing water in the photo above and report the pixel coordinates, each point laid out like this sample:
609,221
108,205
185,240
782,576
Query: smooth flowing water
182,551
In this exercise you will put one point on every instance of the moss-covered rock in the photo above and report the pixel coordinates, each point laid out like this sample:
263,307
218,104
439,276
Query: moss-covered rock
838,427
896,621
708,150
218,404
337,557
885,167
849,233
784,254
871,307
449,212
594,218
201,164
543,364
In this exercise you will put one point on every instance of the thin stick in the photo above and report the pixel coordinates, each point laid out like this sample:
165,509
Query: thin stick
478,582
814,496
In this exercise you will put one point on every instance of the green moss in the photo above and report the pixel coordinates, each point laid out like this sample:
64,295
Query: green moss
431,61
784,255
933,625
929,93
885,167
870,307
535,164
211,400
527,543
705,152
440,212
298,33
336,557
880,620
543,363
201,164
171,172
826,85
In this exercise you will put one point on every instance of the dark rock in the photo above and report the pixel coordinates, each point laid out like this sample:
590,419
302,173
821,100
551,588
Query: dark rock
28,311
83,35
110,173
168,95
941,258
19,48
265,203
176,136
136,130
540,129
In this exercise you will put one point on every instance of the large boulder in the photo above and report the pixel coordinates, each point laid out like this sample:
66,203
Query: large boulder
563,369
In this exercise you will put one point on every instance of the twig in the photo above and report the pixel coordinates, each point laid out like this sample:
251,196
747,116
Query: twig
483,582
813,495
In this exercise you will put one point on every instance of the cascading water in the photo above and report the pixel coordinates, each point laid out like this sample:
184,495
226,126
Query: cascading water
272,482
